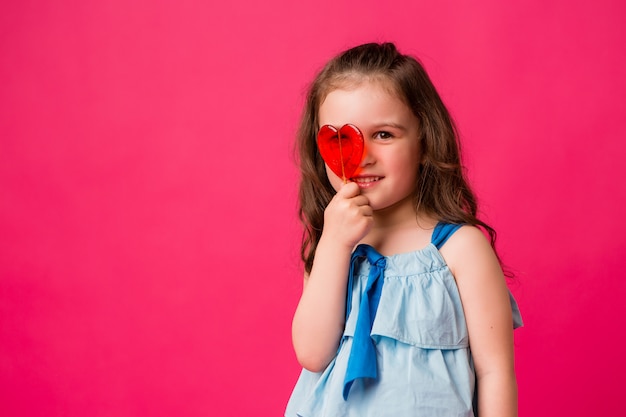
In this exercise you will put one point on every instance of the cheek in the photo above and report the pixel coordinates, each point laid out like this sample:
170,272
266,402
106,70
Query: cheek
407,165
334,180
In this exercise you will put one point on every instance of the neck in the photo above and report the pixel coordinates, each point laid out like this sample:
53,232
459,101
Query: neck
399,216
400,229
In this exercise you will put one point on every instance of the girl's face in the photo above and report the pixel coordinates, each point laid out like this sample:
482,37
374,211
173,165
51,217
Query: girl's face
388,172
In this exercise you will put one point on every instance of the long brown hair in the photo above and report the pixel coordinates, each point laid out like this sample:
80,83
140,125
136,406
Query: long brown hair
442,189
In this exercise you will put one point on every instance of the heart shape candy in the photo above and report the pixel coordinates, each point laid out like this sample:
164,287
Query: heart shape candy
342,149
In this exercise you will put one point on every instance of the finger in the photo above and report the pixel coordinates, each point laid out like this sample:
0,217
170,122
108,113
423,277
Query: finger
360,200
349,190
367,211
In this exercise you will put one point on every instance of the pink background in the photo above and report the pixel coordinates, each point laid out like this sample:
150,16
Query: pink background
148,233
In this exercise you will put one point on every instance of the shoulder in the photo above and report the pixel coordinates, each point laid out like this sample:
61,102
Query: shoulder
468,251
479,278
466,240
481,285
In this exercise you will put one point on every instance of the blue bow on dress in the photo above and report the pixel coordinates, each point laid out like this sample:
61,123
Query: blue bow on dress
362,359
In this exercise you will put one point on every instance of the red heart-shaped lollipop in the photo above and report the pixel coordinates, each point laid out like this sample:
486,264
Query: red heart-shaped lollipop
341,149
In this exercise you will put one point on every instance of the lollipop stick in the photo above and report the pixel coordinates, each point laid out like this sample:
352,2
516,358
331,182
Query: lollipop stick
343,169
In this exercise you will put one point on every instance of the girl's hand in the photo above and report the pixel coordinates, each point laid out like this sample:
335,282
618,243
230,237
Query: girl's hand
348,217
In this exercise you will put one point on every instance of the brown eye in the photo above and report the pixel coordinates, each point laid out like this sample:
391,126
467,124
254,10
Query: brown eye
383,135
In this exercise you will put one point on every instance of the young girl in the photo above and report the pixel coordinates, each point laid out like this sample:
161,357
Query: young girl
405,310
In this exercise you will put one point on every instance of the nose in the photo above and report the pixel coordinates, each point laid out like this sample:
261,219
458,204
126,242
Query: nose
368,157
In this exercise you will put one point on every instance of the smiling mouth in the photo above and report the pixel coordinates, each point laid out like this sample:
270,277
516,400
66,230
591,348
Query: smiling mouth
366,180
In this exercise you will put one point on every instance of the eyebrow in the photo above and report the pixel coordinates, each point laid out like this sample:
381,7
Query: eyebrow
389,124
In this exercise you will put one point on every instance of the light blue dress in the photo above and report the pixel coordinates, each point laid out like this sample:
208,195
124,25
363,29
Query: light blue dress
422,361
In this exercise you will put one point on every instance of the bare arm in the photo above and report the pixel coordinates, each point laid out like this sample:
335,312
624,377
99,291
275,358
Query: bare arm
319,319
488,314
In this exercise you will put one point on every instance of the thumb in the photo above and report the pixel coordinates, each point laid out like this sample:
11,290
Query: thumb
349,189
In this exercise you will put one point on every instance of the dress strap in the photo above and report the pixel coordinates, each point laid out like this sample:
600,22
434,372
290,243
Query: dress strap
442,233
